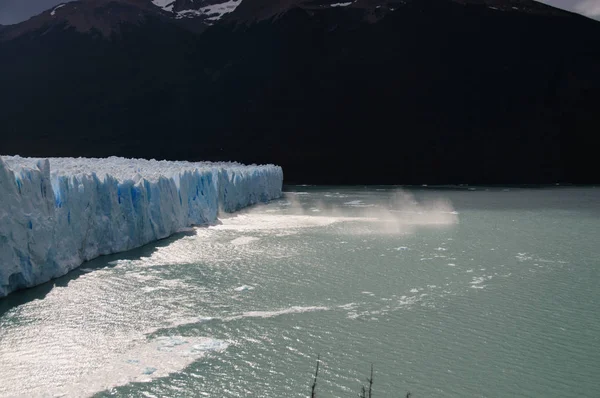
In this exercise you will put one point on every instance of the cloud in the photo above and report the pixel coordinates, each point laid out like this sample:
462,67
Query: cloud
590,8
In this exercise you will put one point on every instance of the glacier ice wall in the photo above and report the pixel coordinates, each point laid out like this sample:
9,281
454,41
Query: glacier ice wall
57,213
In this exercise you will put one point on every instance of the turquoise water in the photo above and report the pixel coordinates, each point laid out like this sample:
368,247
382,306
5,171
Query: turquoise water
448,293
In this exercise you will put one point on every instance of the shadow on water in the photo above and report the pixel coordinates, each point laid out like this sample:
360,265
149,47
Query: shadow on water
39,292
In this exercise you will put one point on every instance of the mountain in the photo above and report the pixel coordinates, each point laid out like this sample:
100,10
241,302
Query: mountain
370,91
99,16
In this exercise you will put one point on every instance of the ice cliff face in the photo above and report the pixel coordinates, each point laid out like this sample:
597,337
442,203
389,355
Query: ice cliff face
57,213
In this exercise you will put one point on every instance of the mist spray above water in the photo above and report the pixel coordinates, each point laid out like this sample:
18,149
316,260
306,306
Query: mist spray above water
398,213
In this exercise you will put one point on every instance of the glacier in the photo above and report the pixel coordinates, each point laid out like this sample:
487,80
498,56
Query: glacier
57,213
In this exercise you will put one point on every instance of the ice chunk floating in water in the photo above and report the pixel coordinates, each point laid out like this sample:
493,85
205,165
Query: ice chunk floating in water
57,213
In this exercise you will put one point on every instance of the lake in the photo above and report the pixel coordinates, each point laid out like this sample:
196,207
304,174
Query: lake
447,291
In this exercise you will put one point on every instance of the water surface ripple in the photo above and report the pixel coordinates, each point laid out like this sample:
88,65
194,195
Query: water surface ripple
449,293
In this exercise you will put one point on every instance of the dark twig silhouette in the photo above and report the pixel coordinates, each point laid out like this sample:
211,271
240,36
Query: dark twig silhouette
363,392
314,385
370,380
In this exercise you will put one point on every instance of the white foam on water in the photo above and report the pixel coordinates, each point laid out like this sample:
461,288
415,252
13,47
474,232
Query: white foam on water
150,289
407,301
275,313
146,359
348,306
152,359
188,321
358,203
244,288
523,257
477,280
269,222
244,240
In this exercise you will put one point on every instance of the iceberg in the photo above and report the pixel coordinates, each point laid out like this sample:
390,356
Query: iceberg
57,213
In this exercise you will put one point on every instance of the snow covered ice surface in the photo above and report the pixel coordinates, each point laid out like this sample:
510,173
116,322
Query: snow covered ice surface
57,213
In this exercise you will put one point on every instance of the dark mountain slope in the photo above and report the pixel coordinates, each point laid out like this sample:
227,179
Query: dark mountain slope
432,92
99,17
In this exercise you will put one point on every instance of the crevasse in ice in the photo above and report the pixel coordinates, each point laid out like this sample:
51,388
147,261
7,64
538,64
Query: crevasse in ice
57,213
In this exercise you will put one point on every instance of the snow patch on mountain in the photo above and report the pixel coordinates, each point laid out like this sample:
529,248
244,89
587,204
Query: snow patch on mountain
166,5
211,13
53,12
188,14
341,4
216,11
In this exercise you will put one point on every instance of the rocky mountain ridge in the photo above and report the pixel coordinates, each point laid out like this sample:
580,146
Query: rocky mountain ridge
107,16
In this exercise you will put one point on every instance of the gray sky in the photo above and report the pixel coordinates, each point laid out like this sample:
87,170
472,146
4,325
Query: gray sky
13,11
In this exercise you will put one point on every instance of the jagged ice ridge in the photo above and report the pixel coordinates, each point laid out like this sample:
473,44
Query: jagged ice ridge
57,213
